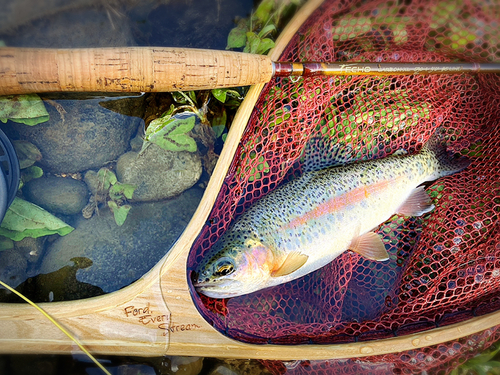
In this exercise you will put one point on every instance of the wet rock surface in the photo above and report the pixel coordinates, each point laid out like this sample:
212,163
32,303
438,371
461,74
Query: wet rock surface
60,195
12,267
158,173
122,254
31,248
182,365
205,25
89,27
80,135
237,367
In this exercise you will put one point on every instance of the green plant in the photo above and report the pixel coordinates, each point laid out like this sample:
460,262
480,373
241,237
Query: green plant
486,363
114,194
25,109
171,133
25,219
28,154
257,33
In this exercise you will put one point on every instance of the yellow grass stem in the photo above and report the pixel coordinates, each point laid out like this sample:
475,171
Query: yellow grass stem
57,325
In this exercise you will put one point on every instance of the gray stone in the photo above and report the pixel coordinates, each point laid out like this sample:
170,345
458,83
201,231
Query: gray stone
12,267
86,136
122,254
158,173
182,365
77,27
238,366
91,180
30,248
57,194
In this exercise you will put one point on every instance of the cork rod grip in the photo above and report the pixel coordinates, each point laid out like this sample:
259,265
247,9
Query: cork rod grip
128,69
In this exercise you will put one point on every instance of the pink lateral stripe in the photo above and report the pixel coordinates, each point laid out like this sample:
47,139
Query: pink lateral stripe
336,204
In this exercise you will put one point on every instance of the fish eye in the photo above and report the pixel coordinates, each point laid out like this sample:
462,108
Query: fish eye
224,267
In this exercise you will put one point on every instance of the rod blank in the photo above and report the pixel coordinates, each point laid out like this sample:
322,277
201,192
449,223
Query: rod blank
284,69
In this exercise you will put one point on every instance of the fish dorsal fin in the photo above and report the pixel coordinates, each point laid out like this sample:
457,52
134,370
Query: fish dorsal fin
292,262
417,204
370,246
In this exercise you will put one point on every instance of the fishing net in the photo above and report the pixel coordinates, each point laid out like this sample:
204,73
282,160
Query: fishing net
436,359
444,267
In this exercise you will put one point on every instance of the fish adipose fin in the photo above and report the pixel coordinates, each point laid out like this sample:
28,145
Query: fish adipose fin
370,246
417,204
293,262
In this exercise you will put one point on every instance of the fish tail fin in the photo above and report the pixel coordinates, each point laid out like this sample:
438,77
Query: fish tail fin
444,162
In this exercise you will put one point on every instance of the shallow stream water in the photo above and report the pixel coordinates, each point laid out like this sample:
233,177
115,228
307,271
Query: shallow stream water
87,133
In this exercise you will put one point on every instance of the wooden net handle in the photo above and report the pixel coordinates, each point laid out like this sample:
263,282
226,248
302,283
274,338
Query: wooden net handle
129,69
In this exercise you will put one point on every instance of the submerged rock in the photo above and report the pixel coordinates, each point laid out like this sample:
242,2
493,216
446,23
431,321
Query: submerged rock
60,195
80,135
158,173
12,267
238,366
182,365
122,254
30,248
76,25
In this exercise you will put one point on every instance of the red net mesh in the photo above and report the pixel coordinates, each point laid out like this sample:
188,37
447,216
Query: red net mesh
444,268
438,359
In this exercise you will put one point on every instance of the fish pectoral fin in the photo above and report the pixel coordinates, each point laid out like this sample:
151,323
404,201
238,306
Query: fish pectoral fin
292,262
417,204
370,246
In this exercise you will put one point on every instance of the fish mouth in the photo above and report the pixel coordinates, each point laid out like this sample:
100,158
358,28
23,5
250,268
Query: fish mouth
210,284
216,289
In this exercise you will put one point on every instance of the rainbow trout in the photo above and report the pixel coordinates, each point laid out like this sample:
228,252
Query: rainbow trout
305,224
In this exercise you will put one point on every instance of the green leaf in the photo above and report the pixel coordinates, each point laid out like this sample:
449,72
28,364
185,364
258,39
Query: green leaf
179,97
169,112
351,27
219,123
30,173
128,190
106,177
24,109
264,46
172,134
220,94
27,153
119,212
224,136
183,98
264,11
192,96
257,45
400,34
237,36
25,219
117,190
266,30
253,42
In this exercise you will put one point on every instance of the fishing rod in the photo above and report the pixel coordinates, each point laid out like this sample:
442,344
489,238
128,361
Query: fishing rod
160,69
